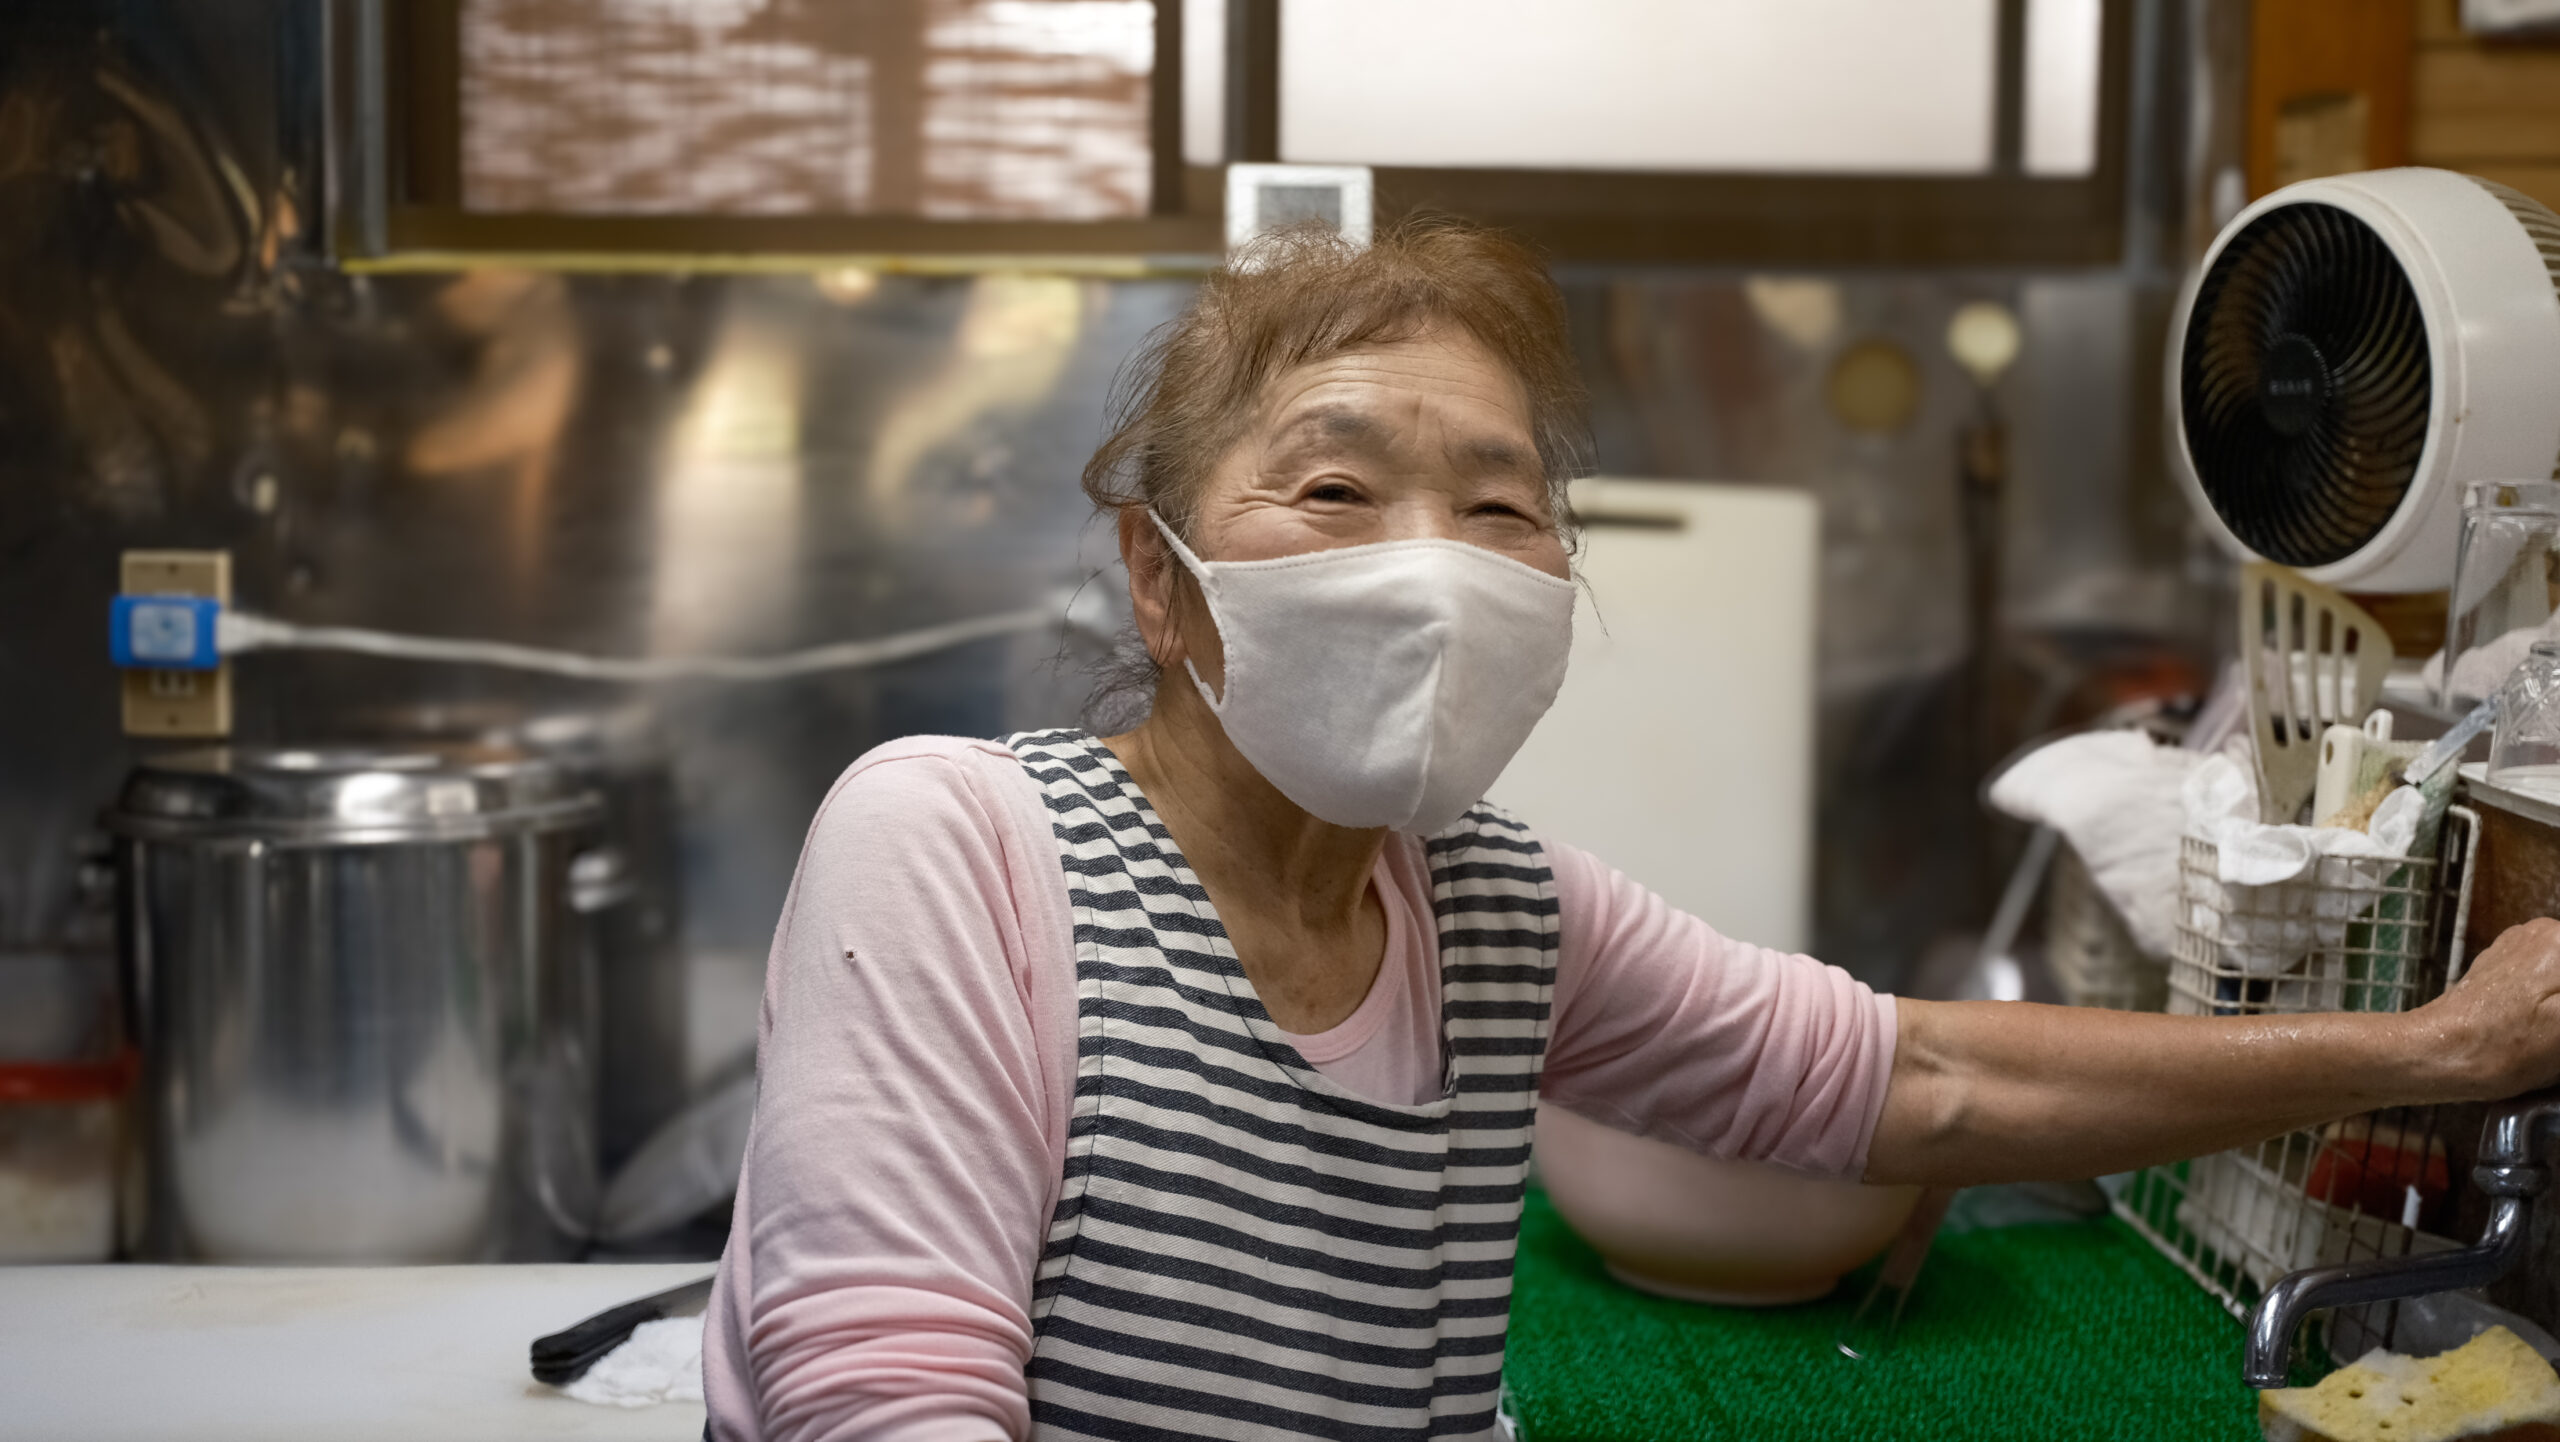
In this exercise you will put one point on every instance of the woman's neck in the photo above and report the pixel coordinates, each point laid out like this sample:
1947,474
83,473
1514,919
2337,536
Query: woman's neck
1236,828
1293,890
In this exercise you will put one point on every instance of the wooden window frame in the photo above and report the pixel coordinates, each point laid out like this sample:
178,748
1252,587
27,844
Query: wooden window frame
411,211
2005,218
422,211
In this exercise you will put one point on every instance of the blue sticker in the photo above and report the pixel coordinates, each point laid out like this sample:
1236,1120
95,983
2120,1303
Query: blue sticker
169,633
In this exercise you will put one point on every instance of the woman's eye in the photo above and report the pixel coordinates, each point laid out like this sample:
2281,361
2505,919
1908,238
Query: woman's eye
1333,491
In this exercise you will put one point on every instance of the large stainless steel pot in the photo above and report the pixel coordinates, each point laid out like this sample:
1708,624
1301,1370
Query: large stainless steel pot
637,921
365,1002
639,926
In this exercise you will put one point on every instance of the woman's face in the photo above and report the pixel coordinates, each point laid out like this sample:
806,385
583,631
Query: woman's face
1425,438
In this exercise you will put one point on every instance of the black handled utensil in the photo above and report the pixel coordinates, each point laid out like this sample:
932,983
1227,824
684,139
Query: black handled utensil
564,1356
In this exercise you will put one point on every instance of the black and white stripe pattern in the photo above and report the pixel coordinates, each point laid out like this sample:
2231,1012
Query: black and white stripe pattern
1243,1248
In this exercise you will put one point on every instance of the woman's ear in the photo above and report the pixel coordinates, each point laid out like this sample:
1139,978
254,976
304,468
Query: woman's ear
1152,573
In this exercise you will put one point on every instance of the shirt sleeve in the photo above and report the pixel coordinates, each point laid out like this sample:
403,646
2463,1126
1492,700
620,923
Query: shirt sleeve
900,1169
1665,1029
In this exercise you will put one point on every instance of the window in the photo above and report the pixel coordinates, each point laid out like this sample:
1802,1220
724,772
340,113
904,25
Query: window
761,125
2066,45
1732,131
1808,86
951,109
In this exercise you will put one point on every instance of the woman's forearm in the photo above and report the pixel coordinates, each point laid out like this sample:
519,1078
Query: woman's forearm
2005,1091
2000,1091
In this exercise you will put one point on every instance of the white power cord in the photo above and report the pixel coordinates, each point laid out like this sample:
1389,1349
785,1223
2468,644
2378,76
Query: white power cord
238,631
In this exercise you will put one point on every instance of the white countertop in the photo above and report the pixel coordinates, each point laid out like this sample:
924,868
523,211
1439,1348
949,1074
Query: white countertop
328,1354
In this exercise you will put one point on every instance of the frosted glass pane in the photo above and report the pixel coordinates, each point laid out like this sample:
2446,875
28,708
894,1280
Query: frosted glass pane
2062,87
1204,82
950,109
1804,85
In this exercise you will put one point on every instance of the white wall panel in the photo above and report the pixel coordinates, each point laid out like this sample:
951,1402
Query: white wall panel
1844,86
2063,43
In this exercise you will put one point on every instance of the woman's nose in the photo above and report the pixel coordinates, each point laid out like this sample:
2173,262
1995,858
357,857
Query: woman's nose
1420,518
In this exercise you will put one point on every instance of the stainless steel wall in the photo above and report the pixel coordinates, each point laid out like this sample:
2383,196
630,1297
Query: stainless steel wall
670,464
1727,377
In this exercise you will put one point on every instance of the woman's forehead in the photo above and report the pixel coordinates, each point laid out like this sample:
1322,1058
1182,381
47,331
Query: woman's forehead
1446,388
1330,425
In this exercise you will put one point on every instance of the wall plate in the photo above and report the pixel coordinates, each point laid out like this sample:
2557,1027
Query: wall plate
178,703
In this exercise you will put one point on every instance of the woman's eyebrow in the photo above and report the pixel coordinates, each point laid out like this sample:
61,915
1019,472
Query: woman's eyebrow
1330,430
1357,429
1492,453
1335,423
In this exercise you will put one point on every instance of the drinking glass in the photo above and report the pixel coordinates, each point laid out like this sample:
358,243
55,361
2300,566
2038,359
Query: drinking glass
2524,752
2506,584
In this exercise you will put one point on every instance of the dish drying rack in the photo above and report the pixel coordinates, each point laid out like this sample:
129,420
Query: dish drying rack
2353,934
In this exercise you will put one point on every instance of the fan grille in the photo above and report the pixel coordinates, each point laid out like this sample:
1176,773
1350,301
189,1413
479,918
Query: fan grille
2306,383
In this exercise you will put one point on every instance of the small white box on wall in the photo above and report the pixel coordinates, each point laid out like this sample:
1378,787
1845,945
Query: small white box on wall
1266,197
2507,17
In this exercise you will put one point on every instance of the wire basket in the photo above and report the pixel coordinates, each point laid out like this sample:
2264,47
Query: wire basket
2351,935
2093,956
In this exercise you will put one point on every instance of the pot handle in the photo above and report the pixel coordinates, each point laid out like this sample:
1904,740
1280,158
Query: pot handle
601,879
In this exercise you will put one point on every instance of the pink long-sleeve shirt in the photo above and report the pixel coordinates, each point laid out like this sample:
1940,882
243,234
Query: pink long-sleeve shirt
917,1059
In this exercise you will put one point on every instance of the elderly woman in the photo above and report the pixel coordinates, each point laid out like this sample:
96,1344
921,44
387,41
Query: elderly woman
1179,1083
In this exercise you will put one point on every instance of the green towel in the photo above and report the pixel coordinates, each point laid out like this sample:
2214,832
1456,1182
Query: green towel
2071,1330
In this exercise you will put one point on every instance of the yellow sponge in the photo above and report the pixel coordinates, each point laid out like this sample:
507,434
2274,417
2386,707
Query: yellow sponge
2492,1388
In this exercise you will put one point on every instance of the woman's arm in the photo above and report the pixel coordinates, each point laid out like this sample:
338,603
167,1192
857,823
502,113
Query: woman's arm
1665,1029
902,1164
2002,1091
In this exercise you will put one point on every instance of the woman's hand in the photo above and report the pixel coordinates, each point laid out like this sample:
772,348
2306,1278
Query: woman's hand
2498,1029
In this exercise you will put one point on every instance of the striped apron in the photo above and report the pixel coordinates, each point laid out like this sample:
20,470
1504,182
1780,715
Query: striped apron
1243,1248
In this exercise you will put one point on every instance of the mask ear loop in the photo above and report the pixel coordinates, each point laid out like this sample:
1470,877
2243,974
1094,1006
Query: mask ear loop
1199,570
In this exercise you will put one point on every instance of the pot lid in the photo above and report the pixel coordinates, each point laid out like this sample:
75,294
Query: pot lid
347,793
612,737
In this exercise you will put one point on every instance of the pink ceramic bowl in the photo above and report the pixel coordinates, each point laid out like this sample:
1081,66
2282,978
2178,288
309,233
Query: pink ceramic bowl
1667,1220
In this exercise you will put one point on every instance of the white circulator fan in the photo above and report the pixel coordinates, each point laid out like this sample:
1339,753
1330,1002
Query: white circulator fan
2352,352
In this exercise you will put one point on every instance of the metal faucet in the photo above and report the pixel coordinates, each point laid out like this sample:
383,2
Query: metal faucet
2507,1173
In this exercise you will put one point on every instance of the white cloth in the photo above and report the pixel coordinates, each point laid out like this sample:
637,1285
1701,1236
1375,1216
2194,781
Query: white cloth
2280,892
660,1361
1385,684
2114,796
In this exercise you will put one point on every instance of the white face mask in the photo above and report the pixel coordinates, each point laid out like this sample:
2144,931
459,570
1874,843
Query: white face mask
1386,684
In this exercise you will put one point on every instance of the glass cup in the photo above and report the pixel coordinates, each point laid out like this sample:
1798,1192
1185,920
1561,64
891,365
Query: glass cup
2524,752
2506,584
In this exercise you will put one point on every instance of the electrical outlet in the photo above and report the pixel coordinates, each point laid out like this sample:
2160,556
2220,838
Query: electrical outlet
178,703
